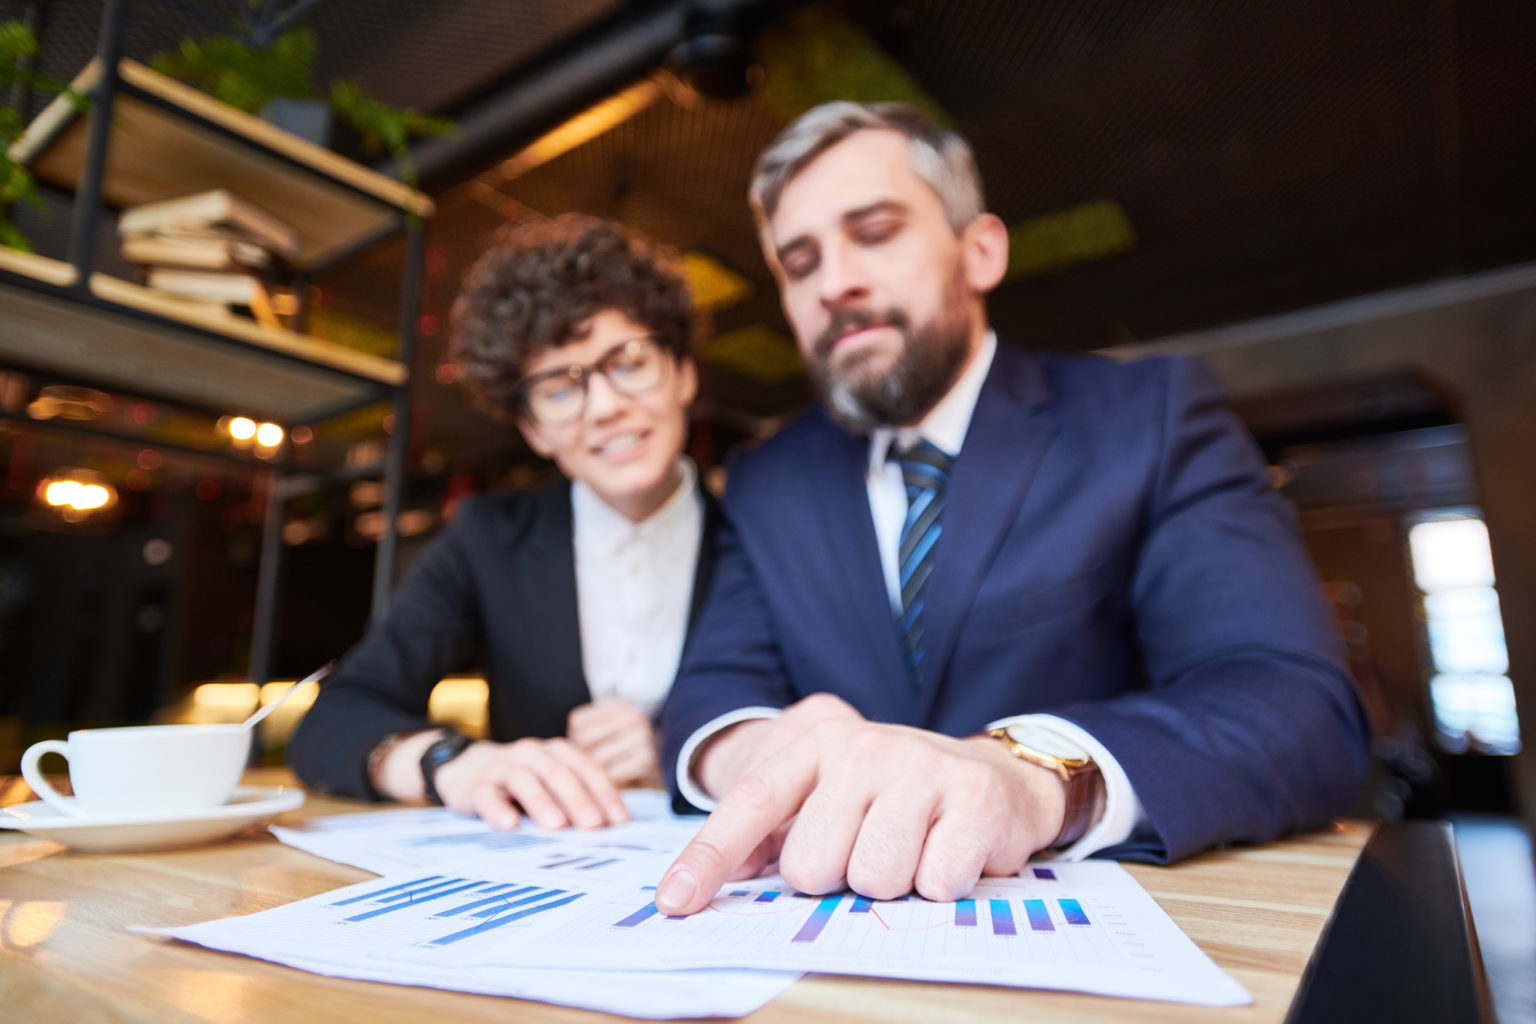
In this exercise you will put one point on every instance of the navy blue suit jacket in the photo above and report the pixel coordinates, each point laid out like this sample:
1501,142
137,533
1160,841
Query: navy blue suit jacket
1112,554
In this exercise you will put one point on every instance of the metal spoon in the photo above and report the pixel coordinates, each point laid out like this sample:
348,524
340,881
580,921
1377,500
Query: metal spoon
314,677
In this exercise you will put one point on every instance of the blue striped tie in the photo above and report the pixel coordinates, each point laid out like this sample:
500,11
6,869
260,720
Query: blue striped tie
925,471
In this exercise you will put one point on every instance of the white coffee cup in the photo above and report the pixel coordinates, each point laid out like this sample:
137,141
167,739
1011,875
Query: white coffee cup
143,769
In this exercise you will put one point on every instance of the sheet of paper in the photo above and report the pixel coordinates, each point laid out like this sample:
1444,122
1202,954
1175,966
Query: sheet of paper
654,995
1084,927
438,840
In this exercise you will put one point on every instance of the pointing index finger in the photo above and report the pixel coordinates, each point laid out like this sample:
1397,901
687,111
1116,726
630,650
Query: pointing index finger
762,801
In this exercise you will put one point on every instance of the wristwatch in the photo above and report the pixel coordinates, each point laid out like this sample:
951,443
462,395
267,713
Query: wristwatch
443,750
1076,768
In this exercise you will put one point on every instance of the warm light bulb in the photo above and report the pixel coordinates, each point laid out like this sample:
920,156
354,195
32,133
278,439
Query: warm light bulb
90,496
269,435
242,428
62,492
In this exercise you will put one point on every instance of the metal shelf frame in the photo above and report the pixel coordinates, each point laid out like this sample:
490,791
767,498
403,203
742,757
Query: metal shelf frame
339,380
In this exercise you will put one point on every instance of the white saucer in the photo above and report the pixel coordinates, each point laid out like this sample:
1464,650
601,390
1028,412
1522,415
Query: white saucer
100,834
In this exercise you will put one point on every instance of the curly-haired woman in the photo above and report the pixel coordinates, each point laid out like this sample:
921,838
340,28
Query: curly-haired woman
575,598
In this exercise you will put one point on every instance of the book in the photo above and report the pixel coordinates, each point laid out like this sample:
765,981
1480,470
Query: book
216,208
215,286
190,250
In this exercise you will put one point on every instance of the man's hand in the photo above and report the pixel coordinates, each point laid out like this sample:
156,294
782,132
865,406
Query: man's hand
553,781
619,737
881,809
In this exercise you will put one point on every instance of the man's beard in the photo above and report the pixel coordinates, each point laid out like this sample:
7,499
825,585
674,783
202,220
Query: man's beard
928,365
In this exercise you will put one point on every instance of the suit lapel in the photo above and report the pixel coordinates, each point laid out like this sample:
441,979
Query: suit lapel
1012,427
553,621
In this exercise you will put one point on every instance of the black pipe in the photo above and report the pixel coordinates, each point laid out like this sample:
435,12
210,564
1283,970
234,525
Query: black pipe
400,436
82,235
548,90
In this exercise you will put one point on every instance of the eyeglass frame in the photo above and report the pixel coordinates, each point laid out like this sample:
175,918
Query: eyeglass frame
582,374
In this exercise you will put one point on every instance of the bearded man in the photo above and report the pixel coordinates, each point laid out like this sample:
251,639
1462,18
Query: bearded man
985,602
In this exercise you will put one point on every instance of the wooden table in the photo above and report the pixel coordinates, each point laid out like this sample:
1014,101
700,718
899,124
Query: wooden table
65,953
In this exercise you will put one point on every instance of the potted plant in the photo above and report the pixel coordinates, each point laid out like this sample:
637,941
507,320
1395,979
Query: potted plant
277,81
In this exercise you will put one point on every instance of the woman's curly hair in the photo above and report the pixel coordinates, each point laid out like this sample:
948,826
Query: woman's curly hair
539,284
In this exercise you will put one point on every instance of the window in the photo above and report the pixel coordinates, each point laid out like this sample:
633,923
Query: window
1469,689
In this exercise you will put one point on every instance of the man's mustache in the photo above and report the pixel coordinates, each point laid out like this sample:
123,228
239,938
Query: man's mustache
855,319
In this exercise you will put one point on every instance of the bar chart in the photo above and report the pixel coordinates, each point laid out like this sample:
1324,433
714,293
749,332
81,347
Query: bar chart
490,905
1041,915
1090,928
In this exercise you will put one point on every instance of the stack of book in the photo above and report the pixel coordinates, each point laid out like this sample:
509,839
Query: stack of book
214,246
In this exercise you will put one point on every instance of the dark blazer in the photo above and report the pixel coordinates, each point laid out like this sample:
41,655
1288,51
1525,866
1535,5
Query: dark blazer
1112,554
497,588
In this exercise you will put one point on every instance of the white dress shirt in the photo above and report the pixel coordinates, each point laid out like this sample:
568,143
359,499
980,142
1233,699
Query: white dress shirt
634,587
944,427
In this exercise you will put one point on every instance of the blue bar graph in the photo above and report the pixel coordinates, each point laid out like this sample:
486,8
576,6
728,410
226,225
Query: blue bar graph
497,922
818,919
645,913
381,892
563,863
1002,918
509,904
1045,873
1039,916
407,904
1073,912
500,897
860,906
411,894
965,914
741,892
767,897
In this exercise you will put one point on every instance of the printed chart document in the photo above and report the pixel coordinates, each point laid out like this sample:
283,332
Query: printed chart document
435,839
1086,927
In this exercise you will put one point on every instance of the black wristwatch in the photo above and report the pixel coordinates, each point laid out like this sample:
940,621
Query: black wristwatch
450,746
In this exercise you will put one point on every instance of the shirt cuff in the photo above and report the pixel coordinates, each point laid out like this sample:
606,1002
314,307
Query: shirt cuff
686,783
1122,810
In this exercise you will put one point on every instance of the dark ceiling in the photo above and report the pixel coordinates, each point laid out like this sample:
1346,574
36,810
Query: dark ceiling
1241,159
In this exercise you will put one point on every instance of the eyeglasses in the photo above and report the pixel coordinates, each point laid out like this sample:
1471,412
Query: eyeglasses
558,397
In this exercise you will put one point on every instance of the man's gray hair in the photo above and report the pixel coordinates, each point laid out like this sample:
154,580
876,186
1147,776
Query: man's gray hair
940,156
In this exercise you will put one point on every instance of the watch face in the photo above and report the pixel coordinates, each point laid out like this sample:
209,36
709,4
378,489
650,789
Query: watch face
1045,741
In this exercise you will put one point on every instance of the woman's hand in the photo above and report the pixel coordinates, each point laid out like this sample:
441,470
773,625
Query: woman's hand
619,738
553,781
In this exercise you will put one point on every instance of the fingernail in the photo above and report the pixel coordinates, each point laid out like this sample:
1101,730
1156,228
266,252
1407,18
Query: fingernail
676,890
589,820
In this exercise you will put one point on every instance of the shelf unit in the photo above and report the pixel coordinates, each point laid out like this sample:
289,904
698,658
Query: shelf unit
120,336
147,137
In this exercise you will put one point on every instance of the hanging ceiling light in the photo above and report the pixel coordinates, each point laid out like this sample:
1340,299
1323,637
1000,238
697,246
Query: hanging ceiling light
76,494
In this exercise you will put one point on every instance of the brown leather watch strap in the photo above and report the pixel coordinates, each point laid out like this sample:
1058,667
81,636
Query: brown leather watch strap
1085,804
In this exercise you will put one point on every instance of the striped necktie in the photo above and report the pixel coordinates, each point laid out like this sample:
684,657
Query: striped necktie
925,471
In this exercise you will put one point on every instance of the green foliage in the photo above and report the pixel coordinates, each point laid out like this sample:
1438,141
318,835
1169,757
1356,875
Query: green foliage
230,69
16,182
1054,241
817,54
381,125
